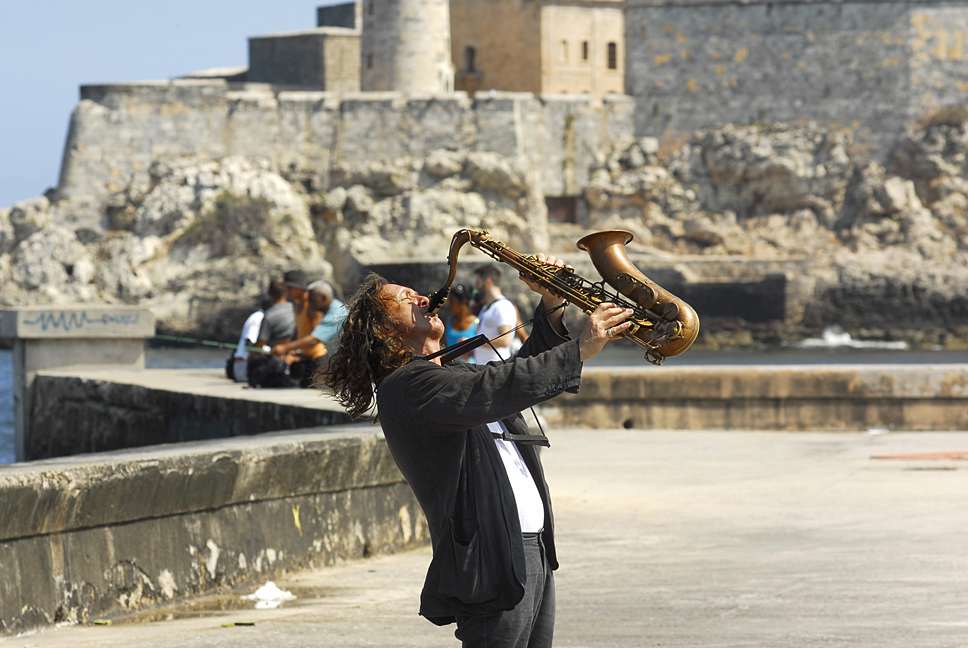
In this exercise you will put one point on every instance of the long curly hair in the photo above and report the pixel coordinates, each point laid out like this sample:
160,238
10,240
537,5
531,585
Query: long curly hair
370,349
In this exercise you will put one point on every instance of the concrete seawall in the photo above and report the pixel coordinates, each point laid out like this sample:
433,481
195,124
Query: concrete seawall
808,397
92,409
102,534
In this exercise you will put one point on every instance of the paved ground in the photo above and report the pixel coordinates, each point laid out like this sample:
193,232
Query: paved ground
673,539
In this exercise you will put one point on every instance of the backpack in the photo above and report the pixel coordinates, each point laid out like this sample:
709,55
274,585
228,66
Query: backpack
269,371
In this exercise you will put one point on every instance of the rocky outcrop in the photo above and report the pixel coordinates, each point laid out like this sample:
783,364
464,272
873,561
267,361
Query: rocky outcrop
199,240
881,250
889,246
404,208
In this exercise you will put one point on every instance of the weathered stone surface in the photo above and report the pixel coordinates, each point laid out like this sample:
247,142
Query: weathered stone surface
29,216
95,535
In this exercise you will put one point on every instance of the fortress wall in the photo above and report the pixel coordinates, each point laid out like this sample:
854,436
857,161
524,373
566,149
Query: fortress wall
326,58
869,66
118,131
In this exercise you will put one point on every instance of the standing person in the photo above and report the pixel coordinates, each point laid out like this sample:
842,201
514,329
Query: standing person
462,323
497,315
454,431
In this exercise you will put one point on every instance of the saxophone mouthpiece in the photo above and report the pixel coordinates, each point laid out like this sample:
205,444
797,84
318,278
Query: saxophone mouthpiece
437,299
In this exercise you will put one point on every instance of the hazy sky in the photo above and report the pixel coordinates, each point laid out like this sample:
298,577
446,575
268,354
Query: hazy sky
49,48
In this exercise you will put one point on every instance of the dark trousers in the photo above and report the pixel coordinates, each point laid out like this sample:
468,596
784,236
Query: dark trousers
529,625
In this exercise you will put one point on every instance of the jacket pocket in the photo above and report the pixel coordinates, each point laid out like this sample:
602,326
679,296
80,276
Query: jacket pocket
464,572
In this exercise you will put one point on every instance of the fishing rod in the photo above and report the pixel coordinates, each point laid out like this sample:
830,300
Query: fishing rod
212,343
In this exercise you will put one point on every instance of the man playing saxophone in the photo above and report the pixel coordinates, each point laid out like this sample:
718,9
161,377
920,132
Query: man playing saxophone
457,435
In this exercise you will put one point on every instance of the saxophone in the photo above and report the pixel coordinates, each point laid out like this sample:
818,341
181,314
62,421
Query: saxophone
662,323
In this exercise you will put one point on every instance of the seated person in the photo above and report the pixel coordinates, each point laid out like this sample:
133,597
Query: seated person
313,329
322,300
278,325
238,369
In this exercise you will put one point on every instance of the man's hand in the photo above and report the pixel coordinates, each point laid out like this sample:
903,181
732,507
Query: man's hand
606,323
280,349
548,300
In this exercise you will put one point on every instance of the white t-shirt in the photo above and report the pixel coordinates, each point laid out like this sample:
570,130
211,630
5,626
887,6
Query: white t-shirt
250,333
493,316
526,495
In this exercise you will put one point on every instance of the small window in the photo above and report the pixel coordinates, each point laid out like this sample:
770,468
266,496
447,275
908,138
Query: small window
612,56
369,8
584,50
564,50
470,54
561,209
369,61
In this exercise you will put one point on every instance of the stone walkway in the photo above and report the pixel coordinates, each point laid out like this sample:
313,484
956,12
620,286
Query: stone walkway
671,539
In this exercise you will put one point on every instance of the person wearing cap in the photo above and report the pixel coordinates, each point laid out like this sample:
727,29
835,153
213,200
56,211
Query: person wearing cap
323,305
302,352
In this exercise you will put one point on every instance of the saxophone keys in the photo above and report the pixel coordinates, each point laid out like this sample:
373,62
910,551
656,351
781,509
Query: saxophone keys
669,311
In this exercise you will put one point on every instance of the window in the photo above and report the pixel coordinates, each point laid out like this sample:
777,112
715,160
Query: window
469,63
369,8
564,50
612,56
584,50
561,209
369,61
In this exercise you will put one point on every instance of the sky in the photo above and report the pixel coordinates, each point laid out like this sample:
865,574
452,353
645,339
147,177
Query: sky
49,48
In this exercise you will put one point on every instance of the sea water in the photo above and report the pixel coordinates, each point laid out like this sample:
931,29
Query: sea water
155,358
835,347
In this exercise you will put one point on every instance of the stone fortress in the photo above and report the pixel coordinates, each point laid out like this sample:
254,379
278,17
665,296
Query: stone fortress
785,166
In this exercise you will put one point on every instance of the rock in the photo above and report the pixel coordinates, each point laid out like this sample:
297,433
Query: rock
358,203
755,170
384,177
443,163
29,217
898,195
7,237
649,145
170,207
494,172
49,257
718,233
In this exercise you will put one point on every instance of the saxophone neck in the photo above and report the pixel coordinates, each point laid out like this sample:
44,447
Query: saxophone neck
438,298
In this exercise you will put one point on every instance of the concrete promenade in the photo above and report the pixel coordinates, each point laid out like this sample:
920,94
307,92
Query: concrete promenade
674,539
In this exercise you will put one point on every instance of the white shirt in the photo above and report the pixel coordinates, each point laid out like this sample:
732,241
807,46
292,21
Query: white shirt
526,495
493,316
250,333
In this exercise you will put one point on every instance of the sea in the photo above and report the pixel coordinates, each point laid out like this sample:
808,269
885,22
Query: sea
835,347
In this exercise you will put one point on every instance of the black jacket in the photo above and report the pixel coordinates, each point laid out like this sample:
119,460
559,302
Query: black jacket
435,422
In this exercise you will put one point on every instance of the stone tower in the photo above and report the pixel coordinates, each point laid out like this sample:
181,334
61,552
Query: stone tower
406,46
